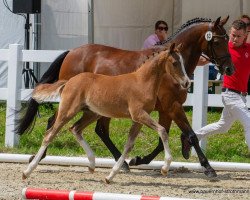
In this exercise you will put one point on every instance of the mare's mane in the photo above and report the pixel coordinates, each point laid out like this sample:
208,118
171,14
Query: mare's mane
187,24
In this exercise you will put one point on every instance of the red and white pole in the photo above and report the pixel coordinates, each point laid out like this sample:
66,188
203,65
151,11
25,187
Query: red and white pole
42,194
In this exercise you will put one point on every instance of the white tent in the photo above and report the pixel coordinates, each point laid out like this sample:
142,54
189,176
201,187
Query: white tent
11,31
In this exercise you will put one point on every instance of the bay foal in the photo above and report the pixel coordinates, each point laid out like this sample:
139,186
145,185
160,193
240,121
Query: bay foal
130,95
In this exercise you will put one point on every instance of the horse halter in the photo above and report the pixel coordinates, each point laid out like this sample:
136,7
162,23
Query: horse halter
210,49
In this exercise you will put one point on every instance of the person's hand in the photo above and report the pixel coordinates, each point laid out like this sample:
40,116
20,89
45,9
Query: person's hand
248,38
202,61
161,34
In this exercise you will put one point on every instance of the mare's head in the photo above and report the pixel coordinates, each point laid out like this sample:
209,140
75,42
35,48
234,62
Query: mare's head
201,36
215,46
174,65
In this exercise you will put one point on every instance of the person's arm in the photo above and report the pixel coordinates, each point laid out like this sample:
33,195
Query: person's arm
149,42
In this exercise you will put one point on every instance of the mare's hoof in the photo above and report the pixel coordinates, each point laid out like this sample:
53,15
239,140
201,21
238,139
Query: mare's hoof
24,176
185,146
31,158
125,167
135,161
210,173
107,181
91,170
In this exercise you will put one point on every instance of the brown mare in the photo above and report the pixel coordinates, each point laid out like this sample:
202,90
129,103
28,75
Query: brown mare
121,96
111,61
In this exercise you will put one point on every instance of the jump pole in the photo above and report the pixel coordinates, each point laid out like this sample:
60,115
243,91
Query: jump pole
109,163
36,193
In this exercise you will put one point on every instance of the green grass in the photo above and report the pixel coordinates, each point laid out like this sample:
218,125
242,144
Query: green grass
223,147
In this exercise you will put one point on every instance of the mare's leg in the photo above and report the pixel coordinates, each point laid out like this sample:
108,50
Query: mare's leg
102,130
180,118
189,138
134,131
51,121
87,118
165,121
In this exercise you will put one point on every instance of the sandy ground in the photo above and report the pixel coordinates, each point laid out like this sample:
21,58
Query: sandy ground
178,183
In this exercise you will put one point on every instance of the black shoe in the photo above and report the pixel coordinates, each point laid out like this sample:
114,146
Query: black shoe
185,146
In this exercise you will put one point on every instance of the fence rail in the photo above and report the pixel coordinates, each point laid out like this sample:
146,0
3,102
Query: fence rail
14,93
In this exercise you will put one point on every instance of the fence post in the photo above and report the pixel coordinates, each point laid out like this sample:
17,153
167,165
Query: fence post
90,21
14,93
200,101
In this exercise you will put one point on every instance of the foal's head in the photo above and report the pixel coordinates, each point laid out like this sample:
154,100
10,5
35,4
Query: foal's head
174,65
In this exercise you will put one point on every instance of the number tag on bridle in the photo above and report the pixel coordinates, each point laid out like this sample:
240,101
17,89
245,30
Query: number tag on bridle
208,35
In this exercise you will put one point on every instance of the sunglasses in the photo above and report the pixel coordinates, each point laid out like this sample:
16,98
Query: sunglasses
162,28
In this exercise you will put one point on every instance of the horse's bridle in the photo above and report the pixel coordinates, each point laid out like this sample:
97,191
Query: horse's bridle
210,49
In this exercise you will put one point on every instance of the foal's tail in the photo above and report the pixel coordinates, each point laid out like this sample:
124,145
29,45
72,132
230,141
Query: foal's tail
50,76
48,91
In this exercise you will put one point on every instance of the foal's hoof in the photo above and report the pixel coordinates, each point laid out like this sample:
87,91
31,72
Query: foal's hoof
210,173
164,172
107,180
91,170
24,176
125,167
185,146
135,161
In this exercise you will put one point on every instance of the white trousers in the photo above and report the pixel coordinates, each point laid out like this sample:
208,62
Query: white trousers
235,108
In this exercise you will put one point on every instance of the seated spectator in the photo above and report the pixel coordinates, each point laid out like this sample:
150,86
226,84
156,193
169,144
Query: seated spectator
160,35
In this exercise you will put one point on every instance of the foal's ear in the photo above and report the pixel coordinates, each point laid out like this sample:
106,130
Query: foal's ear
179,47
172,47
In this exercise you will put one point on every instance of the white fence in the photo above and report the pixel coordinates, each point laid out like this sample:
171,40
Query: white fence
14,94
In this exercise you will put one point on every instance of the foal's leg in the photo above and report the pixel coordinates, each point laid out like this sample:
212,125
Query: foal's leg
165,121
134,131
102,130
144,118
87,118
51,121
65,113
49,136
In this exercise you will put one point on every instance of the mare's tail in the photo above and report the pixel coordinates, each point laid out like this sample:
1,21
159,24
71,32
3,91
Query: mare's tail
50,76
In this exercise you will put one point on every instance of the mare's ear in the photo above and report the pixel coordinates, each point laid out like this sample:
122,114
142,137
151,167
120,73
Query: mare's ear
179,47
171,49
217,22
224,21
